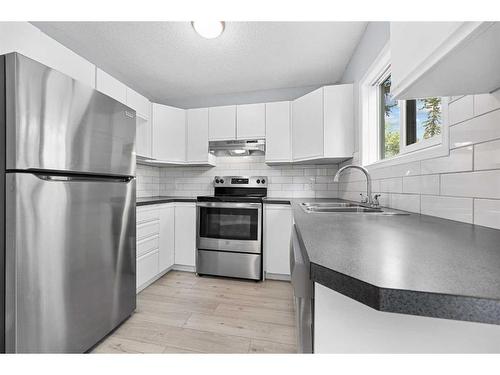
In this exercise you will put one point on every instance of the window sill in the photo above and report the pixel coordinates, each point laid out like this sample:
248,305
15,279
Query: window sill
431,152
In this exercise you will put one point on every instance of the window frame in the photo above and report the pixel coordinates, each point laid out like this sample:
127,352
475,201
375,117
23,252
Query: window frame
371,137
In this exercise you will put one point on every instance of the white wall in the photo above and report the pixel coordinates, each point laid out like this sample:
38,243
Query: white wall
286,181
376,36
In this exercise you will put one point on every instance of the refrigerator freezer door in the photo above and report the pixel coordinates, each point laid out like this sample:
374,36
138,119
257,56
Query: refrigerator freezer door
57,123
70,261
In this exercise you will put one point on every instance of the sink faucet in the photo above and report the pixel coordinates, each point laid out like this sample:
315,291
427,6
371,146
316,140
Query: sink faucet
368,182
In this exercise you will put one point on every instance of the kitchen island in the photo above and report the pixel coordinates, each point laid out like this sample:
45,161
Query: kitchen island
366,267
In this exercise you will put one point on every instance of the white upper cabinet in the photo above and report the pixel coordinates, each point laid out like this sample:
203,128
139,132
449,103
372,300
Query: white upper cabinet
222,123
444,58
169,133
278,132
110,86
197,136
26,39
322,125
139,103
307,128
251,121
143,138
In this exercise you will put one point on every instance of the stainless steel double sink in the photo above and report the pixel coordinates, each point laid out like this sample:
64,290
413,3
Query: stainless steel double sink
345,207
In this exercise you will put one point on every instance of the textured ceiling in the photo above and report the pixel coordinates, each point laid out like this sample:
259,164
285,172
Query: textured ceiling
169,60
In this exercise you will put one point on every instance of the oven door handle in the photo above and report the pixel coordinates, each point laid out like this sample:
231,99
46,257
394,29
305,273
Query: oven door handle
229,204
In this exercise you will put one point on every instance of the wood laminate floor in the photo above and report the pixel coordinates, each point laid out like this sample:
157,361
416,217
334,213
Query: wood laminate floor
184,313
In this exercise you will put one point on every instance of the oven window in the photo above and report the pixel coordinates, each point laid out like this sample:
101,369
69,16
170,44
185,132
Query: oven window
229,223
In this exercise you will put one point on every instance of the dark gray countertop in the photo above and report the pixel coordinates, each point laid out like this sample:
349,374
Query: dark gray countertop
144,201
414,264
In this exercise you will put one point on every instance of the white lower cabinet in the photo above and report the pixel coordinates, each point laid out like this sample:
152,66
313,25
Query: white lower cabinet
278,222
167,236
185,234
147,268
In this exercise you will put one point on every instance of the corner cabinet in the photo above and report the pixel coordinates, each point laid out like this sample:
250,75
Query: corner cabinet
169,134
444,58
323,126
166,240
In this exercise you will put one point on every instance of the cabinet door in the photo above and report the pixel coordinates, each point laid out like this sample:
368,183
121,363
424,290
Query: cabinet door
338,121
197,134
278,132
307,126
222,123
278,221
142,107
251,121
139,103
169,133
110,86
167,236
185,234
143,137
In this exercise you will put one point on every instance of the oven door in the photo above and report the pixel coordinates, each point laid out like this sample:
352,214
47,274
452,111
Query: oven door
229,226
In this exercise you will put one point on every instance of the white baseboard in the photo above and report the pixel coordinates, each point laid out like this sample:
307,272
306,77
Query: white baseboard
277,276
180,267
151,281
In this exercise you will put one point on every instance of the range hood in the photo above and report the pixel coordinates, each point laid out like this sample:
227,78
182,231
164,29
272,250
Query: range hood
237,148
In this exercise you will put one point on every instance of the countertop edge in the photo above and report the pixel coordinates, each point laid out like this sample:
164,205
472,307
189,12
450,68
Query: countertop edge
163,200
428,304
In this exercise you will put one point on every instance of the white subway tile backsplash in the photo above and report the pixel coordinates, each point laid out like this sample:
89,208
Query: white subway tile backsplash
479,129
487,155
461,109
406,202
487,212
391,185
459,160
411,184
427,184
285,181
483,184
459,209
486,102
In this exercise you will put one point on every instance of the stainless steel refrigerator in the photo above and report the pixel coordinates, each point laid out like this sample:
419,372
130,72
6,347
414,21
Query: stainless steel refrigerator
67,200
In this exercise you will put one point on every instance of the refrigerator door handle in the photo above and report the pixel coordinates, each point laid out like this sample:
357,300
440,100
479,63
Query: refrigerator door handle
66,178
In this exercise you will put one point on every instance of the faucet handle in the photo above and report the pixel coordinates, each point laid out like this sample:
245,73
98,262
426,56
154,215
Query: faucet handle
364,198
376,203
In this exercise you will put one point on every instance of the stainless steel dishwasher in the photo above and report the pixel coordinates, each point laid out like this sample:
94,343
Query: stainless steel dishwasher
303,292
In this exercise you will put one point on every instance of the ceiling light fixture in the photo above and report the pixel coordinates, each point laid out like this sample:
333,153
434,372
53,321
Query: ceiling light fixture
208,29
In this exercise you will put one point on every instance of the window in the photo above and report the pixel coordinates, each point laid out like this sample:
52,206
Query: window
423,119
398,131
390,121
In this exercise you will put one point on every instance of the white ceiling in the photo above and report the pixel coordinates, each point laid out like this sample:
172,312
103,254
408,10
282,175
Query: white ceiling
169,60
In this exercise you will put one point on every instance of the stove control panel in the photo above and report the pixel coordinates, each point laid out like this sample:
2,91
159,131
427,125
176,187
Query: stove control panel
240,181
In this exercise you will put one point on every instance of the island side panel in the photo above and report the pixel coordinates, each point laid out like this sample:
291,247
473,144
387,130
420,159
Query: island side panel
343,325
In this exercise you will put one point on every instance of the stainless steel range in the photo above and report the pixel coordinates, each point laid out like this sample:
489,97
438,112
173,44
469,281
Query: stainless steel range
229,230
